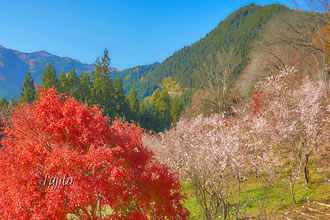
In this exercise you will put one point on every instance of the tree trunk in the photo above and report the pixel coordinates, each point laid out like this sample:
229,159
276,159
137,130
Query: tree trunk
239,196
292,189
225,209
306,172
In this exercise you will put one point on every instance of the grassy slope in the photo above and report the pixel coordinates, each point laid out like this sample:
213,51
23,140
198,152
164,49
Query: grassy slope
273,201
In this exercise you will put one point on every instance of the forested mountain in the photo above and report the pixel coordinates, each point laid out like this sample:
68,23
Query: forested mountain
133,76
15,64
235,33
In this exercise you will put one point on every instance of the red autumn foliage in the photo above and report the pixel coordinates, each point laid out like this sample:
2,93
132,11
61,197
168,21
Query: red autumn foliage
111,168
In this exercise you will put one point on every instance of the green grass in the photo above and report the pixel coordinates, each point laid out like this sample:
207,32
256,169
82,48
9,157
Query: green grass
256,198
191,203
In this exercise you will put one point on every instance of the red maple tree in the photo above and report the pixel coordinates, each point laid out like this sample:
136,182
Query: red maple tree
114,175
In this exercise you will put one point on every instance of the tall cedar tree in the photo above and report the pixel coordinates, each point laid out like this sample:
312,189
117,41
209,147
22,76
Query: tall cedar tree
119,97
28,90
154,111
102,92
68,83
84,89
3,108
62,83
144,114
72,83
3,101
49,78
133,105
103,65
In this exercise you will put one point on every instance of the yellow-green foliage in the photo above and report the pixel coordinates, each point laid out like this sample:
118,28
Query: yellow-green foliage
170,85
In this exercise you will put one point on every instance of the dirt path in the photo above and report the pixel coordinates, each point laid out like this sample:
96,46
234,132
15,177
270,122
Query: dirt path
312,210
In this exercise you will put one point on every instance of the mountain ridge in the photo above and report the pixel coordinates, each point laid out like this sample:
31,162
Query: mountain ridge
237,31
15,61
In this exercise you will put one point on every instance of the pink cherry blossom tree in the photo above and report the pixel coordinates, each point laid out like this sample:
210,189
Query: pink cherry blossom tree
212,153
281,128
292,119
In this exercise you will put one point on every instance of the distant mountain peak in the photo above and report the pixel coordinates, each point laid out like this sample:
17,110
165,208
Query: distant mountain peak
15,64
43,53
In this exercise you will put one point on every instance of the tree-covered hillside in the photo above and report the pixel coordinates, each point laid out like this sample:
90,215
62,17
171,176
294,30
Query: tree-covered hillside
236,32
133,76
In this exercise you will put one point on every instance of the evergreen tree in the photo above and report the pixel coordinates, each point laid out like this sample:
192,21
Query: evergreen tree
133,105
49,78
103,65
62,83
93,75
119,97
3,101
84,89
155,117
109,98
12,102
144,115
3,108
102,91
72,83
155,123
98,91
28,92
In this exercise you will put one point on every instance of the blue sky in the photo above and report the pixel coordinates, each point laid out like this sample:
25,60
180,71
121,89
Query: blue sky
135,32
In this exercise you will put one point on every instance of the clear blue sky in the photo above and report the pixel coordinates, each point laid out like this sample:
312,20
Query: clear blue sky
135,32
